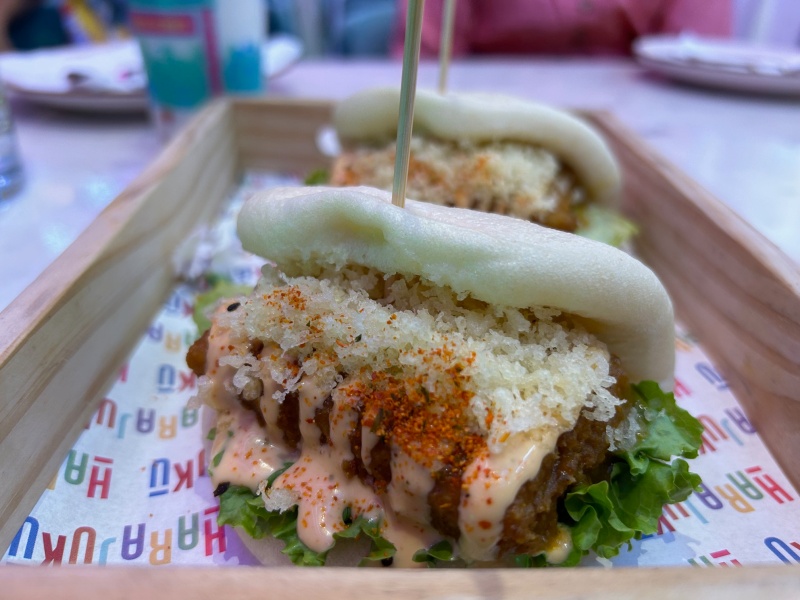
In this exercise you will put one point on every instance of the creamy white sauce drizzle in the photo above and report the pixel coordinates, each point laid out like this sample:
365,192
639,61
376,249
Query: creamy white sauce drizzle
222,396
408,491
251,452
408,536
489,486
560,547
368,442
318,480
242,454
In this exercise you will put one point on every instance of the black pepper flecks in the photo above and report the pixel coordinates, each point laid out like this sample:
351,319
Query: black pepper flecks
221,488
234,306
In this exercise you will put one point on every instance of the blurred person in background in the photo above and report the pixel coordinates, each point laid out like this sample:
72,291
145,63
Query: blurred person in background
336,27
377,27
597,27
31,24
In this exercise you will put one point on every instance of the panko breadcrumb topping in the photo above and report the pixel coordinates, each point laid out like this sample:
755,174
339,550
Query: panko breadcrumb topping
443,376
503,177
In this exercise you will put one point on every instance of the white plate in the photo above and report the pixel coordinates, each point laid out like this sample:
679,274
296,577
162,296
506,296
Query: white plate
727,64
116,81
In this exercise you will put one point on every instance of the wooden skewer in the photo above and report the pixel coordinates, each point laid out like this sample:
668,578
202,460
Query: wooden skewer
446,43
408,90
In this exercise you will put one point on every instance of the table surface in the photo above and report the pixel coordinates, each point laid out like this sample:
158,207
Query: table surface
743,148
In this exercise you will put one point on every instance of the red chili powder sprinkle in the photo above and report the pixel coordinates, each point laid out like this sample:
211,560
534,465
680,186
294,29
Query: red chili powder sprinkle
431,427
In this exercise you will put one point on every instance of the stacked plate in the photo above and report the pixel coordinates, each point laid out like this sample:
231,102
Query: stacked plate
727,64
106,77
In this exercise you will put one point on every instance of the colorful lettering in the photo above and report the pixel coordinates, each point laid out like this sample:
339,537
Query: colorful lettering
156,332
722,554
145,420
782,550
726,425
768,484
708,498
104,547
734,498
91,536
711,375
188,381
166,379
711,433
159,465
123,421
75,472
745,485
167,427
188,536
173,303
671,512
97,480
161,552
681,389
132,547
716,556
172,343
693,509
737,416
189,416
53,555
213,532
185,475
106,405
33,533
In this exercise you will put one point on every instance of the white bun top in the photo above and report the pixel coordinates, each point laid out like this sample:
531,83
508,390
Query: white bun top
496,259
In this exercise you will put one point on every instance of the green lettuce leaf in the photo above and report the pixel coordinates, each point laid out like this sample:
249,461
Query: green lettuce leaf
604,225
318,177
610,513
220,288
666,430
240,507
381,549
526,561
283,527
440,552
603,516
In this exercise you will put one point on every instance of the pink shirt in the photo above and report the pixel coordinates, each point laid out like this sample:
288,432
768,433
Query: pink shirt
564,26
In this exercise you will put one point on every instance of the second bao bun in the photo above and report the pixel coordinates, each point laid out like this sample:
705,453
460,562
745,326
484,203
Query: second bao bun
372,115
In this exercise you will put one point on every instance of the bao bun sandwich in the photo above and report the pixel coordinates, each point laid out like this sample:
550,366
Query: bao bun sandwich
441,383
489,153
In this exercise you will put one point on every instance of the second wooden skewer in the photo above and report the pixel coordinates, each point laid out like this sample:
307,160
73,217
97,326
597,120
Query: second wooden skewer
408,90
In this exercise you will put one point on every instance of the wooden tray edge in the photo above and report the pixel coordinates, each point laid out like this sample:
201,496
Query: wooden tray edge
234,583
735,584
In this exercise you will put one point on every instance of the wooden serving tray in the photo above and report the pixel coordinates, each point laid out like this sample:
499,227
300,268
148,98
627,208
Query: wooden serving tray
63,339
